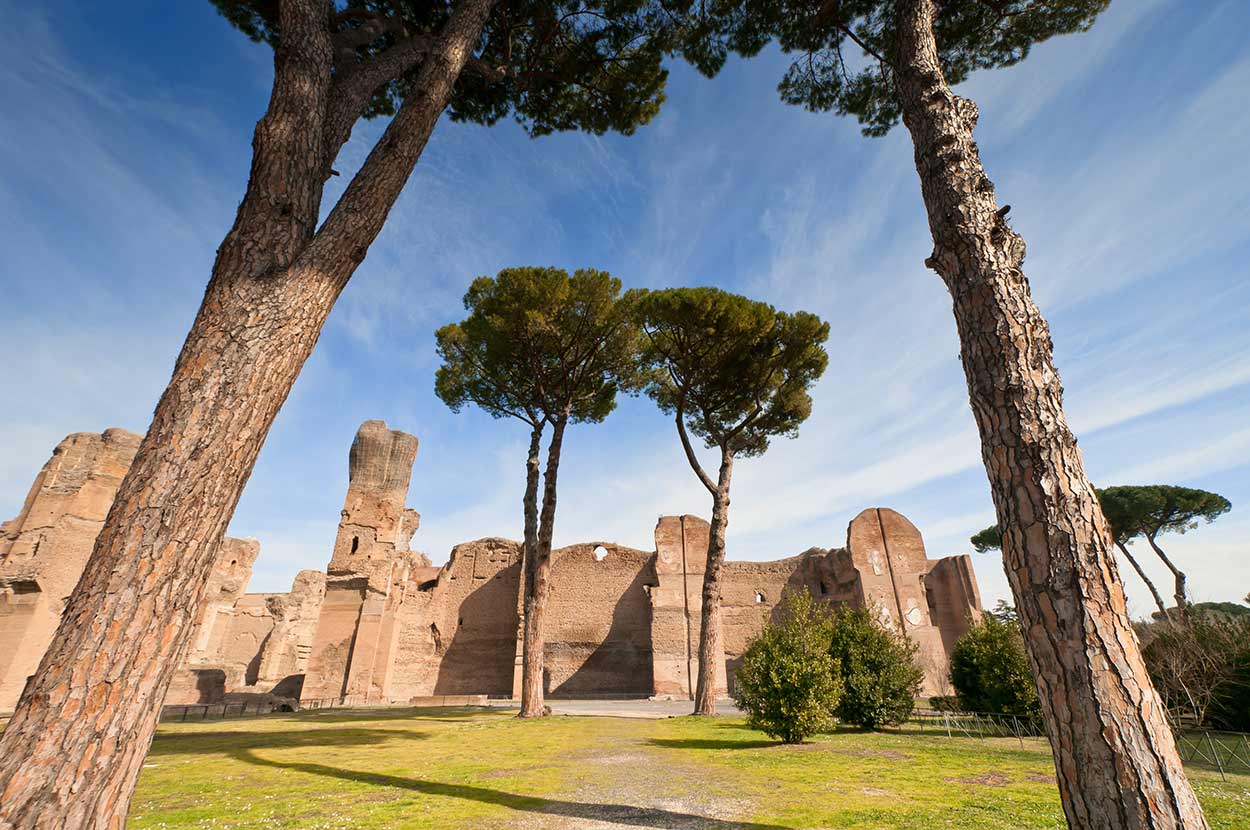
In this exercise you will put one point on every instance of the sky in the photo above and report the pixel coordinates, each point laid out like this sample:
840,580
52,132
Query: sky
124,150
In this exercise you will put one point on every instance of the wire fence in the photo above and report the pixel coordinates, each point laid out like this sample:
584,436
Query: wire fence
1225,752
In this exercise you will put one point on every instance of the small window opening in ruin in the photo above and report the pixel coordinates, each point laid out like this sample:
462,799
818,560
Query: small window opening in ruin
233,562
600,553
759,597
355,543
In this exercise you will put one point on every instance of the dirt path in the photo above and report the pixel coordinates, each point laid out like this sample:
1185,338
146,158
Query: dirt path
638,786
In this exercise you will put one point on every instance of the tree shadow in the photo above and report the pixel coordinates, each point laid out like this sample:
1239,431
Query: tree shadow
192,743
710,743
442,714
586,811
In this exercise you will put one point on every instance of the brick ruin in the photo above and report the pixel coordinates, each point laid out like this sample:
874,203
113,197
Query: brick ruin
383,625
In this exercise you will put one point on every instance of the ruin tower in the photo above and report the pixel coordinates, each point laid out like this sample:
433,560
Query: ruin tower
357,631
44,549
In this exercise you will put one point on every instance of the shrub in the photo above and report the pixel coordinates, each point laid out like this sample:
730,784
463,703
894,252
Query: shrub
1202,670
788,684
879,672
944,703
990,670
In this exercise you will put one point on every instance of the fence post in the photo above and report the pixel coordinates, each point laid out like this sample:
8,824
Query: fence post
1215,755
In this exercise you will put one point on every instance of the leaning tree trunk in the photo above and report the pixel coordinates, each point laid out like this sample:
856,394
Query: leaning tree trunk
72,751
1179,592
710,619
538,586
1154,592
1115,756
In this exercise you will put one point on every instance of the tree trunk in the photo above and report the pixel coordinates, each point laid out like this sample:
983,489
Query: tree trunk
72,751
531,645
1154,592
1178,581
710,626
538,587
1115,756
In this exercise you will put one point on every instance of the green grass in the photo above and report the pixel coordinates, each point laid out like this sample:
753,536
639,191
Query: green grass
478,769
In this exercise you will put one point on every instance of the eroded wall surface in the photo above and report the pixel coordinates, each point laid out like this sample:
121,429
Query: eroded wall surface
367,580
44,549
382,624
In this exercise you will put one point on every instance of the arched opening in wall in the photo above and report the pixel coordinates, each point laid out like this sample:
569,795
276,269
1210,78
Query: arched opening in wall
233,562
355,543
600,553
759,597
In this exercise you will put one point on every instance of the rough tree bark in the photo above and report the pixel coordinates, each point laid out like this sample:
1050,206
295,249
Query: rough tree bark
70,755
1115,756
710,619
1154,592
538,584
1178,581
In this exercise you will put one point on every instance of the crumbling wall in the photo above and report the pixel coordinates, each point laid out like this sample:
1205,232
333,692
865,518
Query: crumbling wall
676,607
459,634
44,549
896,574
598,624
357,633
226,584
284,657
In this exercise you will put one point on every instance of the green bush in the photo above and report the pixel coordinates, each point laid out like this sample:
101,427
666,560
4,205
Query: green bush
788,684
990,670
944,703
879,672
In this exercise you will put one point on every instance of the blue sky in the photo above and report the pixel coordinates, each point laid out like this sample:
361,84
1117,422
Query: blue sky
124,149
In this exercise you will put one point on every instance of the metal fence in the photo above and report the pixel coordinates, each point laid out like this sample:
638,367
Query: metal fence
975,724
1224,752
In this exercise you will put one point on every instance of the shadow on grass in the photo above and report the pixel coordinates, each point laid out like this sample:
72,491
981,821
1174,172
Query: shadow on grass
442,714
711,743
586,811
191,743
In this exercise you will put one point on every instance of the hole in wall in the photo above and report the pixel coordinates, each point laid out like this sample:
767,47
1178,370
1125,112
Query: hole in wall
759,597
600,553
233,562
355,543
824,588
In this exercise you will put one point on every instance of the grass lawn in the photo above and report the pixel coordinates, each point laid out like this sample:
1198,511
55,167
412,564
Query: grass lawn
432,769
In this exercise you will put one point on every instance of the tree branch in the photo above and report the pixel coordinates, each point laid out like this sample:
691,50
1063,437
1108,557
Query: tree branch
690,456
344,238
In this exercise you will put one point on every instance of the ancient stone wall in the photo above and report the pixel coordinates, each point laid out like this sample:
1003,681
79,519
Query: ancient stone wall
358,629
384,625
598,637
459,634
44,549
43,552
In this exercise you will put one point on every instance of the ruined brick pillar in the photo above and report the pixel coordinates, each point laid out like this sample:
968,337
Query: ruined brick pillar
356,637
894,572
44,549
677,607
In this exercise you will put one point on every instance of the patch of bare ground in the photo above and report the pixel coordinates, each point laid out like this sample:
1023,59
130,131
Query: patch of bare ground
631,788
993,778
